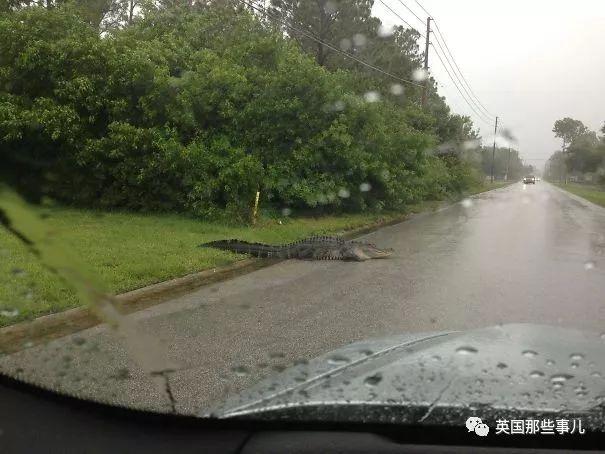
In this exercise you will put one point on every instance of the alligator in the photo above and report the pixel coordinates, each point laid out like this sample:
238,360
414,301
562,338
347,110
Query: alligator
312,248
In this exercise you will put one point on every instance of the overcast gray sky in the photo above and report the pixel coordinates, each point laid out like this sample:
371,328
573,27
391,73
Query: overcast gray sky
529,62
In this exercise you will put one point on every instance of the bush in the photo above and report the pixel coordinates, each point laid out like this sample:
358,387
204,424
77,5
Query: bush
165,115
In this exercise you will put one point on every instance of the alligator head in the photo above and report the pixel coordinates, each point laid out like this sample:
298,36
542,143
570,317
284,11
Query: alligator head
365,251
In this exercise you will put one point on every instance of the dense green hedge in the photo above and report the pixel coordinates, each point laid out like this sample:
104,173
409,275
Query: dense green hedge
196,111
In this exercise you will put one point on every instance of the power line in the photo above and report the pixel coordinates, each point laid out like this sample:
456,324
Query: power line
410,10
401,18
458,78
482,107
460,72
328,45
481,116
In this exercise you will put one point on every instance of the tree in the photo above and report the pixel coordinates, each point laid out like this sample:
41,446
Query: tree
567,129
343,23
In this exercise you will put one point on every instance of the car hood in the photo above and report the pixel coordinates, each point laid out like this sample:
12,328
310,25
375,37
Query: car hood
437,377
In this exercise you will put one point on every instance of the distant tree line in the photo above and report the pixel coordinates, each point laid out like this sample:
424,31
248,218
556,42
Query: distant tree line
582,154
194,106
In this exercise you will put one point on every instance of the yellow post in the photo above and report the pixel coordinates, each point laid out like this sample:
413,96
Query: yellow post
255,209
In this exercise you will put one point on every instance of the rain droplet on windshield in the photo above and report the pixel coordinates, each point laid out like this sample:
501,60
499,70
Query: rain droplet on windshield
396,89
536,374
466,203
589,265
344,193
365,187
359,39
9,313
466,350
576,356
419,75
372,96
385,31
338,360
18,272
240,371
550,362
529,353
560,378
373,380
501,365
345,44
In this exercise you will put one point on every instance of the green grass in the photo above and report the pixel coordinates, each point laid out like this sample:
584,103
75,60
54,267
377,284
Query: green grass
594,194
125,251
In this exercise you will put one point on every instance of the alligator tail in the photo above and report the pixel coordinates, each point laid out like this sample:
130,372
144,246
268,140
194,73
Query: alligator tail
243,247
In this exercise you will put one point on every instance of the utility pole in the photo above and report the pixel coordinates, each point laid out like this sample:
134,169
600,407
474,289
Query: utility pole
507,165
494,149
426,63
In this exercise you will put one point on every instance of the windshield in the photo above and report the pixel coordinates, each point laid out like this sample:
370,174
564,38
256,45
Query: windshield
225,208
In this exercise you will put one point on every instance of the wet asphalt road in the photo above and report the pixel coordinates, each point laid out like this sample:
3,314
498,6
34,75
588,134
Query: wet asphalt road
517,254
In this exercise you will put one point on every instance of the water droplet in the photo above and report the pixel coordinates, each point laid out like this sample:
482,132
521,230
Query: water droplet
589,265
19,272
385,31
436,357
122,374
240,371
550,362
365,187
78,340
9,313
574,365
419,75
576,356
373,380
529,353
338,360
560,378
372,96
345,44
466,350
344,193
466,203
397,89
501,365
595,374
359,39
338,106
602,336
536,374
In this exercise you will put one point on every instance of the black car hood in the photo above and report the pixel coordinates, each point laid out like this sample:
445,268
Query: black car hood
437,377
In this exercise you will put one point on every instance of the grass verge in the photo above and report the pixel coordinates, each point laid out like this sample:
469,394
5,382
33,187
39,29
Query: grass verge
594,194
126,251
